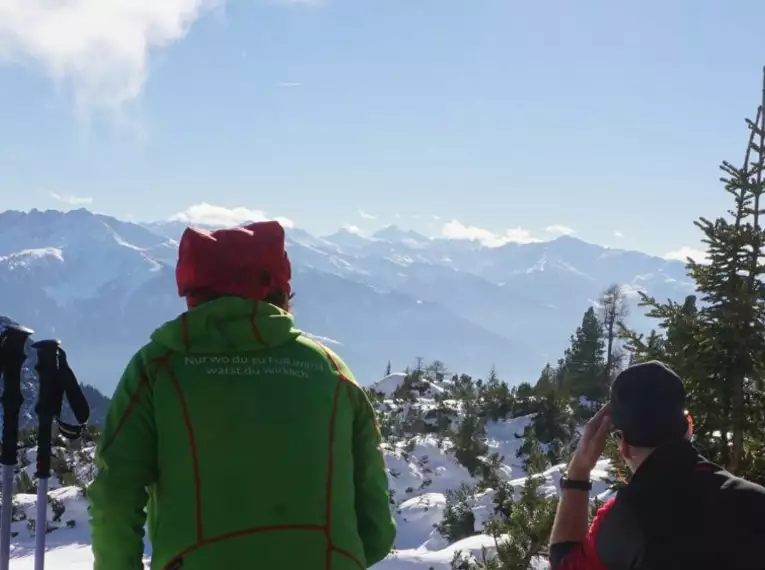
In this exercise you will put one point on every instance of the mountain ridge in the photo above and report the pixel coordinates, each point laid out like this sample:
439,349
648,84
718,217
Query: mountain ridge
103,284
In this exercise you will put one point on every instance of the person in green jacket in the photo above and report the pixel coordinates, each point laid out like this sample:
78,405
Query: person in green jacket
251,444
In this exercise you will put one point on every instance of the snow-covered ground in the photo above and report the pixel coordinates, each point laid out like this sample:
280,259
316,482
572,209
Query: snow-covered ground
420,474
419,546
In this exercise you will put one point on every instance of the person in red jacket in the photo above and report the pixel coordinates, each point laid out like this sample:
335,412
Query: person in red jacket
678,512
252,444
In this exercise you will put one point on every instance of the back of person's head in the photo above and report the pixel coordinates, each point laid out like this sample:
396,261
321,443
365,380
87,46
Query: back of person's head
248,261
647,410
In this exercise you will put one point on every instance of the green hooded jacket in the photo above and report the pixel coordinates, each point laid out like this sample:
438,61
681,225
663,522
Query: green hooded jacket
252,446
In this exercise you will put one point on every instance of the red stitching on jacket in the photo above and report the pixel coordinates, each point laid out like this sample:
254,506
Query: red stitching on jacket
193,446
326,528
243,532
254,325
343,379
330,477
185,331
143,383
349,556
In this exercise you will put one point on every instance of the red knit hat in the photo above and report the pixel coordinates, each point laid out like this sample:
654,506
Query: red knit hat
248,261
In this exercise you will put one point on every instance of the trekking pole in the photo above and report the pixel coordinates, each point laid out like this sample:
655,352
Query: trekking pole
56,381
13,339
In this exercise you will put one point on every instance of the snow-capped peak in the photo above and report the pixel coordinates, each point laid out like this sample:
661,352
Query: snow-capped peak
395,234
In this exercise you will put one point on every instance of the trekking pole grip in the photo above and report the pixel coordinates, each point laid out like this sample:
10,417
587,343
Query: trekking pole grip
73,393
13,340
12,356
49,401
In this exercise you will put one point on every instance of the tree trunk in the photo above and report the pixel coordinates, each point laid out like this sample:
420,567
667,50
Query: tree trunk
738,413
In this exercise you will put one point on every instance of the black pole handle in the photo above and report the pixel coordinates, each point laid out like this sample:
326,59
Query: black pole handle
13,339
49,401
74,395
56,380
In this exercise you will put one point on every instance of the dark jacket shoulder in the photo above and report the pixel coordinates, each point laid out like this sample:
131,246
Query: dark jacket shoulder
679,511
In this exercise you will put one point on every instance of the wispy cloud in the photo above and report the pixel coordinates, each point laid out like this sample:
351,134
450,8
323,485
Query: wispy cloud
457,230
366,215
685,252
618,234
205,214
289,84
560,230
99,49
300,2
353,229
71,199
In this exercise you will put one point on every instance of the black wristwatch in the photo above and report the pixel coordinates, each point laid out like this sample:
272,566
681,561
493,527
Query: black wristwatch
566,483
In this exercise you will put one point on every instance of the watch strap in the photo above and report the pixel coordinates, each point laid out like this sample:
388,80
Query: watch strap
575,484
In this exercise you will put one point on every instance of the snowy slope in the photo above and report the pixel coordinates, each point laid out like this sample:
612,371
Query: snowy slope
421,471
418,545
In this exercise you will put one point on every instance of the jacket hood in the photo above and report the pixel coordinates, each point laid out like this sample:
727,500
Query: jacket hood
227,324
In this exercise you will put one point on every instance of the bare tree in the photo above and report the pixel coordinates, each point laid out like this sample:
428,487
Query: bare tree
419,367
613,311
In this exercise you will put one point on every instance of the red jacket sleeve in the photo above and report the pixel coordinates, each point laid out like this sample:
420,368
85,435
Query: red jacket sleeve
584,555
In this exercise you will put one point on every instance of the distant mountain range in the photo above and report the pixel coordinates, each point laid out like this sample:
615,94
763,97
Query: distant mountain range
102,285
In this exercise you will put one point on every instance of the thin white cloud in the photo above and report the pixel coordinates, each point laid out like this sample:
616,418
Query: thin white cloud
560,230
353,229
435,217
97,48
457,230
632,291
205,214
289,84
618,234
366,215
685,252
72,199
299,2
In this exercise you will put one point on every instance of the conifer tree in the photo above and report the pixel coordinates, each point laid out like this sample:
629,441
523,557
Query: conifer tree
470,439
523,399
497,400
458,521
531,453
554,425
584,359
522,530
731,284
619,473
547,382
719,347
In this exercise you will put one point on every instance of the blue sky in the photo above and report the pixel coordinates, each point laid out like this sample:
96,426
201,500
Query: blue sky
488,118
